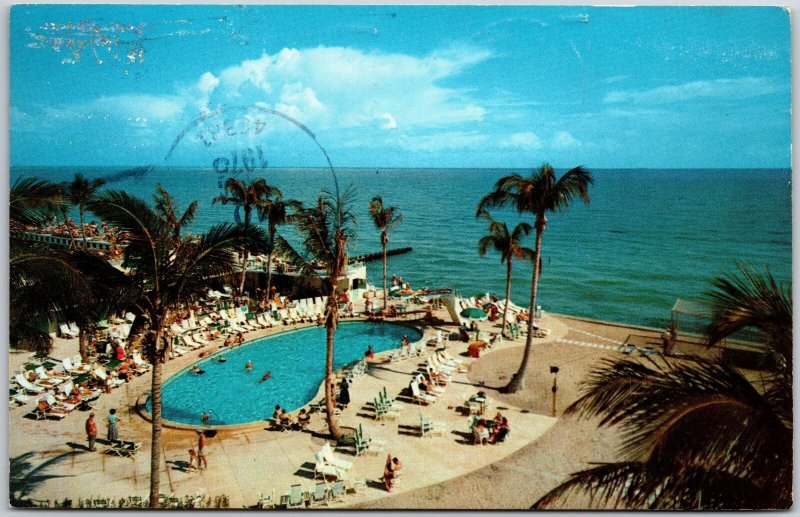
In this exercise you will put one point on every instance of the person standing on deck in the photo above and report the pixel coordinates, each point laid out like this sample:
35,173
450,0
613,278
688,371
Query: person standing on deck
91,431
202,462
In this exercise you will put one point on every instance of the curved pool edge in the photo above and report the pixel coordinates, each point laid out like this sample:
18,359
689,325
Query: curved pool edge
141,402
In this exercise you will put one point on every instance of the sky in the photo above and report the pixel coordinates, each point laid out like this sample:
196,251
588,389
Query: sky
400,86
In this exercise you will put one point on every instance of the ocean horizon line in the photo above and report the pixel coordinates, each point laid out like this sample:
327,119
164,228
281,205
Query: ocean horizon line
387,168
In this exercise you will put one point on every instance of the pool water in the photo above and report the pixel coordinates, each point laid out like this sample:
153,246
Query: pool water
296,359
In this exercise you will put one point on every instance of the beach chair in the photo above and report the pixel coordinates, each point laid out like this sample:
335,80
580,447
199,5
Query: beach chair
360,486
102,374
364,443
190,342
124,449
331,459
421,398
141,363
30,388
17,397
428,427
176,329
337,491
434,389
296,498
323,471
266,500
66,332
319,495
384,411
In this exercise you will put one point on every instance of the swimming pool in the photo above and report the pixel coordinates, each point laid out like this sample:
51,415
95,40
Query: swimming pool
296,359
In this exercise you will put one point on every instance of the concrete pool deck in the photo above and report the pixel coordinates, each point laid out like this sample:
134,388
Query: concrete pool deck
439,472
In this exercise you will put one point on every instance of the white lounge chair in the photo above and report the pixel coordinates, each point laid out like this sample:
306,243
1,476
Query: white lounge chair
324,470
67,332
418,396
74,328
331,459
191,343
435,389
102,374
141,363
30,387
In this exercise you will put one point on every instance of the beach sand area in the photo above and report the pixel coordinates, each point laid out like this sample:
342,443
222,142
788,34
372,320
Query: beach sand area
444,471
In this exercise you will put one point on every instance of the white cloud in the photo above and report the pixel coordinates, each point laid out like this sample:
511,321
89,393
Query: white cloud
345,87
389,121
725,89
205,86
524,140
563,140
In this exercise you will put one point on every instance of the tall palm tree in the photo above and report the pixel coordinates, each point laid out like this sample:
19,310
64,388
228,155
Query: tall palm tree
538,194
275,211
326,230
509,247
79,191
698,434
167,270
385,218
248,196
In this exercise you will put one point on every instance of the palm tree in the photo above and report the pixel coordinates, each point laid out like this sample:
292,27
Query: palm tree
698,434
537,194
326,229
385,218
79,191
248,197
275,211
509,247
166,269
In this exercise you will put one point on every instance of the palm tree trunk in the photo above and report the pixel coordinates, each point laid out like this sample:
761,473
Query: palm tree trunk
244,251
155,441
517,382
83,230
508,296
385,242
269,261
82,345
330,327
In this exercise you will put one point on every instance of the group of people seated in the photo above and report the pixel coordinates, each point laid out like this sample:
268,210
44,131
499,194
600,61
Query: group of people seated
490,431
283,421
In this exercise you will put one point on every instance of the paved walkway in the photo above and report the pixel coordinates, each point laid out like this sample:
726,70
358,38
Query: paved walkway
244,463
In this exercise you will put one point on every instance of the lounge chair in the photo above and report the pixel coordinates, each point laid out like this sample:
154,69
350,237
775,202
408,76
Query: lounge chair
57,404
360,486
266,500
74,328
30,388
428,427
191,343
47,380
331,459
366,444
124,449
319,495
44,410
296,498
434,389
102,374
18,397
422,398
337,491
67,332
323,470
141,363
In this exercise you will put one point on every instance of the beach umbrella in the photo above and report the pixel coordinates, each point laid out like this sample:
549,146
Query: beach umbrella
474,313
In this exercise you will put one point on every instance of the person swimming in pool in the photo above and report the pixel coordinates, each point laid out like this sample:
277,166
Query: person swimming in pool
266,376
248,366
197,370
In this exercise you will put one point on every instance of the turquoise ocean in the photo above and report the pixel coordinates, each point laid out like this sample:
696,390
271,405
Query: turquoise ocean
648,236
